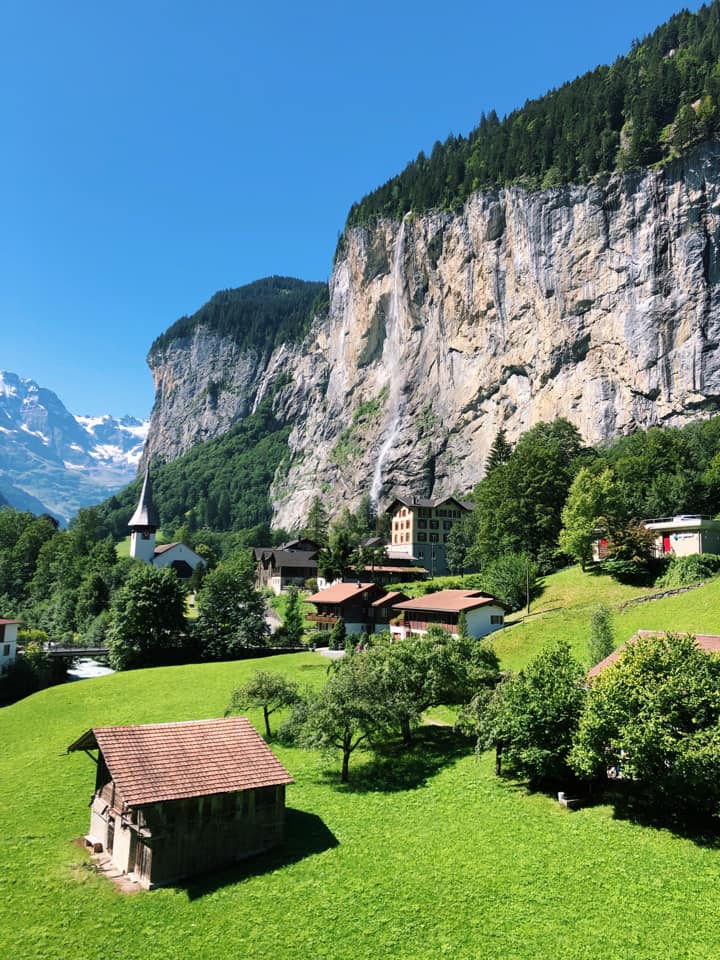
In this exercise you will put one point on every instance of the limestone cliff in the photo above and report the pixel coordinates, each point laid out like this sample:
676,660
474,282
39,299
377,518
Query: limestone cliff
599,303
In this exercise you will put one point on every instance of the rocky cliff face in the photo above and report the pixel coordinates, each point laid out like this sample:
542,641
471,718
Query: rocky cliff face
599,303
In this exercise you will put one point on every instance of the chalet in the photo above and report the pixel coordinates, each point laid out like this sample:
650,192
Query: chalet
420,530
708,642
363,607
679,536
684,535
290,564
483,613
175,799
143,527
8,643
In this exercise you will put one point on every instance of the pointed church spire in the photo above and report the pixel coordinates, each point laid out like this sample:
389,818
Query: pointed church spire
145,515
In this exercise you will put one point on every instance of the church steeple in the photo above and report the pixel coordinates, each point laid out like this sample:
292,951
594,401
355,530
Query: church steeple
143,524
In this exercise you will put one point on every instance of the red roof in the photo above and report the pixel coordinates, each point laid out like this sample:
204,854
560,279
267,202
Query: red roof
388,598
168,761
4,623
709,642
339,592
450,601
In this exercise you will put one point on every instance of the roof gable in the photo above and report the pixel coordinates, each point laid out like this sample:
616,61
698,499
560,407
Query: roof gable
451,601
170,761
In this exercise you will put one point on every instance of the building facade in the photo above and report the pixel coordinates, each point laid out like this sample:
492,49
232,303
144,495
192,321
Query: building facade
684,535
176,799
143,526
8,643
363,607
420,530
484,614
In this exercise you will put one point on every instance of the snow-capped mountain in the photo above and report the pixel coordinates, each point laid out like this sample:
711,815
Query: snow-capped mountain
53,461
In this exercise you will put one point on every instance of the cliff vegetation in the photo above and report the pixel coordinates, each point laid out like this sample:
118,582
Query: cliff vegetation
650,105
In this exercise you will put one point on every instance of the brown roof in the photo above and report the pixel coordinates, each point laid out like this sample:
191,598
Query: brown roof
389,597
709,642
450,601
168,761
339,592
437,502
164,547
4,623
374,568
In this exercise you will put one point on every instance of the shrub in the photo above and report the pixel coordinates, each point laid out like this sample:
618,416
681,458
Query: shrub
681,571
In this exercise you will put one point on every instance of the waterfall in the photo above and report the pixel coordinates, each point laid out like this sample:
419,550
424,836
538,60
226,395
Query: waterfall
391,352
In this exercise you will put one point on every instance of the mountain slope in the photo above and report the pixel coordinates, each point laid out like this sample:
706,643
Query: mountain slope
51,461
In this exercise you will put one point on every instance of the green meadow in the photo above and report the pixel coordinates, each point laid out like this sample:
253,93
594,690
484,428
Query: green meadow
423,855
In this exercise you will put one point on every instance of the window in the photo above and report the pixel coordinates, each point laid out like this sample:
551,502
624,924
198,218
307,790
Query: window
422,524
421,554
445,538
424,512
6,650
442,513
434,524
447,525
422,537
433,538
497,618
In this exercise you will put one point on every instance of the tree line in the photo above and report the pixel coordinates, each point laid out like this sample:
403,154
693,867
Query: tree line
652,104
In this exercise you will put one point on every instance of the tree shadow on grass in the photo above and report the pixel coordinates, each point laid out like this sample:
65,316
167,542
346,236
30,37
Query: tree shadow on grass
629,802
635,806
305,836
395,767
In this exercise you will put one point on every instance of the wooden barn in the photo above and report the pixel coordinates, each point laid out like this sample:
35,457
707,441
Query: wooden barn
175,799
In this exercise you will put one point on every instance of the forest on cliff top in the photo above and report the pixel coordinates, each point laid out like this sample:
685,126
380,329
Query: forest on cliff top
647,107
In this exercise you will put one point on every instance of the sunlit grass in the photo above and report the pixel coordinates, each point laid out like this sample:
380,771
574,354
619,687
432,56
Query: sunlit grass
431,856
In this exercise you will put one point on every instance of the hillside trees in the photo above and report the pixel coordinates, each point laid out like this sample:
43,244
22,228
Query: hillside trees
147,620
232,611
531,717
592,497
518,505
652,104
653,717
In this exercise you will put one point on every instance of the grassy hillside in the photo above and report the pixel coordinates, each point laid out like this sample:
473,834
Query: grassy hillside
565,607
420,857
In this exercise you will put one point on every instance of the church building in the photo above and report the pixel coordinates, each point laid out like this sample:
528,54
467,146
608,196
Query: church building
143,527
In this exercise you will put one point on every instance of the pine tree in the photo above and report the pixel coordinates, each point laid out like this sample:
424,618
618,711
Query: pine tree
499,452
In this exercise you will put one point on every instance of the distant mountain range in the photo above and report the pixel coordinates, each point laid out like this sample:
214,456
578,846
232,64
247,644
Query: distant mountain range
54,462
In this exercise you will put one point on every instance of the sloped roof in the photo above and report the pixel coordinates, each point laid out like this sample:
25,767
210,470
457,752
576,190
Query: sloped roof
5,623
389,598
437,502
339,593
145,513
709,642
450,601
294,558
164,547
169,761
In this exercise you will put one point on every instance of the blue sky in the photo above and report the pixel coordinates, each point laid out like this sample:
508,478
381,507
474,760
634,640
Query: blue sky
155,152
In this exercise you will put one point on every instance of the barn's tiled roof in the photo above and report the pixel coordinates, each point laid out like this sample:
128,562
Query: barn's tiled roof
164,547
169,761
709,642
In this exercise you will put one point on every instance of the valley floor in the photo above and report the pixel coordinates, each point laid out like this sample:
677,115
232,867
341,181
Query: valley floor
422,856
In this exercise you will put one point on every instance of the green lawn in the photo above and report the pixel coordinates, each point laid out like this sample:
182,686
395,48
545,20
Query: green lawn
564,609
422,857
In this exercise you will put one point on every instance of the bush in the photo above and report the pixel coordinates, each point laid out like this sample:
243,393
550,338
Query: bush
681,571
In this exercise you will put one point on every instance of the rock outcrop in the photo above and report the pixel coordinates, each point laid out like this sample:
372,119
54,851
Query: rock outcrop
599,303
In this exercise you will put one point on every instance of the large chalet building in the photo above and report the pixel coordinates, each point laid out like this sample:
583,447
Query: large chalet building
420,530
363,607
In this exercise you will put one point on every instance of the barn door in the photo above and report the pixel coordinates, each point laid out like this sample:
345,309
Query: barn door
143,861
